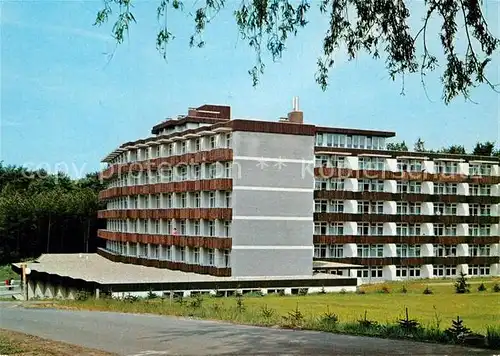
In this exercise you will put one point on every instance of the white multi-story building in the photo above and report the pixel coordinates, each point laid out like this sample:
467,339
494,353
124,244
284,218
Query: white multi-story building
208,194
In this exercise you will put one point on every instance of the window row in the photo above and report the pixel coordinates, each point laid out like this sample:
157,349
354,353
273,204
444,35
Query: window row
402,229
188,227
188,255
350,141
179,173
191,200
180,147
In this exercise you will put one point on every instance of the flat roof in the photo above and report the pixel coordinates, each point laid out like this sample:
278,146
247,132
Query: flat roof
92,267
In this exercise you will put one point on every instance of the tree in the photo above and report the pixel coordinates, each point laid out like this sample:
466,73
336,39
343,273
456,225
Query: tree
453,149
397,146
484,149
419,145
377,27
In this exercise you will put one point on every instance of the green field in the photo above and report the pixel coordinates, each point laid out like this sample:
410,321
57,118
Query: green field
478,309
7,273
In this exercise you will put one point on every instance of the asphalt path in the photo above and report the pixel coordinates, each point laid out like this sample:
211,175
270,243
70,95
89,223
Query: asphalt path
141,335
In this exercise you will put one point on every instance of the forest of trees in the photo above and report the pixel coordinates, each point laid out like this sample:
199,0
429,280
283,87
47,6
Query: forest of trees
481,149
46,213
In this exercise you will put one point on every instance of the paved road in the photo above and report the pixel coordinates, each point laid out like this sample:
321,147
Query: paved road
141,335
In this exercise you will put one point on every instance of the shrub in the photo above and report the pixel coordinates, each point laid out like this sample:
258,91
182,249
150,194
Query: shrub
343,291
329,318
294,319
267,313
366,323
493,337
496,288
461,285
407,324
131,298
240,306
196,302
458,332
384,290
404,290
427,290
303,291
481,288
360,291
151,295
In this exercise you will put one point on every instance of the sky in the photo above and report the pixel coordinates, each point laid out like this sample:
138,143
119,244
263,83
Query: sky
65,104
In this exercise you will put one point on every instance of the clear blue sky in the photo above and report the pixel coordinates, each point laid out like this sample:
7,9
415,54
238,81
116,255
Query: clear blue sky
61,101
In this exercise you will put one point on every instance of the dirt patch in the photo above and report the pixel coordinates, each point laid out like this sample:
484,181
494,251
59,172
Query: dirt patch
19,344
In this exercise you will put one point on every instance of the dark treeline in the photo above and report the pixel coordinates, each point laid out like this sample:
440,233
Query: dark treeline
481,149
46,213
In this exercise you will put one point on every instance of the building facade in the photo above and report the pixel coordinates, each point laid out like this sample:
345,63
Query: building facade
227,197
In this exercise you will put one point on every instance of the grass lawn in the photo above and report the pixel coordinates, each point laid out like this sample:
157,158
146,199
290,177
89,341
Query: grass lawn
7,273
478,309
14,343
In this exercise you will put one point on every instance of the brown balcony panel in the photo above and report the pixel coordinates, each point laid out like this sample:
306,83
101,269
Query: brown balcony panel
411,240
218,154
187,213
179,266
188,241
415,261
187,186
412,219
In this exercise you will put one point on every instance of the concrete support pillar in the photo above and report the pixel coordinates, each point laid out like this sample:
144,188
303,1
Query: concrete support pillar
462,250
389,272
97,292
426,271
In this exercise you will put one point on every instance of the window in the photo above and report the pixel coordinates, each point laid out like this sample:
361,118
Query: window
369,207
182,254
336,184
213,142
196,169
145,226
182,200
168,200
320,228
211,228
320,206
444,271
370,185
322,161
228,140
228,170
370,229
182,227
479,230
407,250
403,229
197,200
227,228
445,230
445,209
156,226
479,270
336,228
411,165
368,251
480,169
407,271
226,256
227,199
336,251
196,255
320,184
336,206
445,250
197,145
183,148
196,228
370,272
211,199
166,175
211,257
212,170
479,250
480,189
446,167
337,161
406,208
182,170
445,188
371,163
320,251
409,187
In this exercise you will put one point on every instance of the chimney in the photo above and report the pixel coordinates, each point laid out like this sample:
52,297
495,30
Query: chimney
296,116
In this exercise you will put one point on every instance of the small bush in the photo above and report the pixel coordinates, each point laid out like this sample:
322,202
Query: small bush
322,291
481,288
281,292
496,288
458,332
427,290
131,298
196,302
294,319
240,305
343,291
404,290
493,337
384,290
151,295
329,318
461,285
366,323
360,291
407,324
267,313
